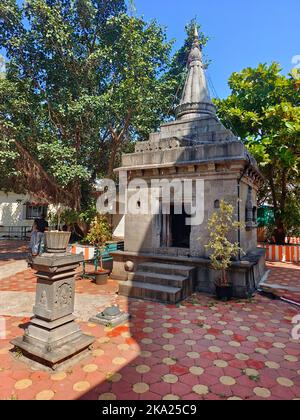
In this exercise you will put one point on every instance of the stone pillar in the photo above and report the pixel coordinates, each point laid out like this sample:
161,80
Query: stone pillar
119,260
249,207
53,336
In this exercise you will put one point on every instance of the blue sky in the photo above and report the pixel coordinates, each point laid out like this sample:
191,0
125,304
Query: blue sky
243,32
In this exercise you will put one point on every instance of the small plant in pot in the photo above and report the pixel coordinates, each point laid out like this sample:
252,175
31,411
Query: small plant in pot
56,241
221,225
98,235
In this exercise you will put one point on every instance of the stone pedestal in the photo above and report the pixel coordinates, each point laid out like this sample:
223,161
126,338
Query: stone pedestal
53,336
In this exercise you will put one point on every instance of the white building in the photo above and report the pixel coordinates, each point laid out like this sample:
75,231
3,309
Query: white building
17,212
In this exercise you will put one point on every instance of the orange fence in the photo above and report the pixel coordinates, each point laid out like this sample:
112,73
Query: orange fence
87,251
283,253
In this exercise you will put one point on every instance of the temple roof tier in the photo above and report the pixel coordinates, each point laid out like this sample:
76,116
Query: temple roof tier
195,99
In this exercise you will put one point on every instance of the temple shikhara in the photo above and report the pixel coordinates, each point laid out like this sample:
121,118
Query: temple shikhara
164,258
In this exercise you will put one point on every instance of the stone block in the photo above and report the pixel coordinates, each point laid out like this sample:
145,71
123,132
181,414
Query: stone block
54,299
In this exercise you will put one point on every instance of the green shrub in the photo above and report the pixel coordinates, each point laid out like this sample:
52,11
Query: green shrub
220,225
100,232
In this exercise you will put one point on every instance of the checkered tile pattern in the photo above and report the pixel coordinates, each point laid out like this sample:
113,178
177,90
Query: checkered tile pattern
285,275
202,349
11,251
26,282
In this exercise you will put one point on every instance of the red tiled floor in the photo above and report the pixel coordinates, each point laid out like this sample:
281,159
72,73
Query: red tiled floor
11,251
239,349
140,373
286,275
7,246
26,282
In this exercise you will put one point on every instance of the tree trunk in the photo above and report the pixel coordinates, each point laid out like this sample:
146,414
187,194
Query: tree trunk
224,278
113,155
83,226
117,140
37,181
77,195
279,233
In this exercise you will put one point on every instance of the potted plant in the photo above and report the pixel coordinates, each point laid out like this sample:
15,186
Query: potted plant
220,225
99,234
57,241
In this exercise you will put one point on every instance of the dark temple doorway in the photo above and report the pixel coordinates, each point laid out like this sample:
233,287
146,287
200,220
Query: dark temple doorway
175,233
181,232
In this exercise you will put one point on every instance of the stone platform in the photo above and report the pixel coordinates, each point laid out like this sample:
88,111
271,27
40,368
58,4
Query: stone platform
170,283
52,336
245,275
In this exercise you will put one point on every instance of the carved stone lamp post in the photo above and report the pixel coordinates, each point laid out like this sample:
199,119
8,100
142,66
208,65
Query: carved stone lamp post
53,336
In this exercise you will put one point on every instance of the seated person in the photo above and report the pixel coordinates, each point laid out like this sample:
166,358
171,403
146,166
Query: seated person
37,241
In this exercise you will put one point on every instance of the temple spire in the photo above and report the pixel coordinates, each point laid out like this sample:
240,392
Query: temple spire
196,35
195,101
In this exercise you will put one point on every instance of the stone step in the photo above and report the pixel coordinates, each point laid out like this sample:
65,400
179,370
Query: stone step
160,268
157,278
148,291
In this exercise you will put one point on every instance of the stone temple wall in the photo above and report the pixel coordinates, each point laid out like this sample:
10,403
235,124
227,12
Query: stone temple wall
142,231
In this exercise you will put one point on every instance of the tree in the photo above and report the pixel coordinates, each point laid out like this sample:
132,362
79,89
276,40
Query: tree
264,110
138,94
83,79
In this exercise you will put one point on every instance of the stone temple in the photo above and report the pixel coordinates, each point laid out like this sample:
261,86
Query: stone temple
164,258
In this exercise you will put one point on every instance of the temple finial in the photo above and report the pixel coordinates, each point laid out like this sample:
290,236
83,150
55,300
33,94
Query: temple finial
195,100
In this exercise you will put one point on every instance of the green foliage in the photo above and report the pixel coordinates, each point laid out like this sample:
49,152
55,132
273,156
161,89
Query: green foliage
100,232
55,153
7,158
79,221
177,72
292,216
264,110
16,100
137,55
83,80
265,216
220,225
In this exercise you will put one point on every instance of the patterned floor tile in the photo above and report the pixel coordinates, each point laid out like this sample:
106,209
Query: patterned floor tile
200,350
